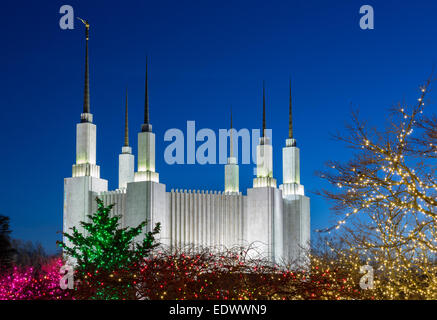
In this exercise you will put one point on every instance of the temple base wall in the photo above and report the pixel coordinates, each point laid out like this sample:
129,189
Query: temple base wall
79,199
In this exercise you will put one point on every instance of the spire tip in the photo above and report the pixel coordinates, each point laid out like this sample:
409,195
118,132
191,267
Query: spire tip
126,123
146,126
290,120
264,109
86,98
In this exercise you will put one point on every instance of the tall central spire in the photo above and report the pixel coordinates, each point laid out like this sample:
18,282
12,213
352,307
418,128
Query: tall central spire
86,93
126,124
86,131
290,120
264,109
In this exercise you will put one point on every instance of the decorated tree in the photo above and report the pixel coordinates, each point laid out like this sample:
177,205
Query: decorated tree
386,197
192,274
231,274
30,283
105,255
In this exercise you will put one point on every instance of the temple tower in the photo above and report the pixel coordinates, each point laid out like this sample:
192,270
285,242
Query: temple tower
264,156
86,130
146,197
231,168
146,146
296,204
126,160
81,189
263,221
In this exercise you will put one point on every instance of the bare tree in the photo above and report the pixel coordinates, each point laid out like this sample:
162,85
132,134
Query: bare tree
386,197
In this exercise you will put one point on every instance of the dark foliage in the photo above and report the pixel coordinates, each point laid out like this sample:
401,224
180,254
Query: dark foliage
6,250
27,253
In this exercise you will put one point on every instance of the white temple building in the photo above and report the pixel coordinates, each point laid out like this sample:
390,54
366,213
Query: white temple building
276,221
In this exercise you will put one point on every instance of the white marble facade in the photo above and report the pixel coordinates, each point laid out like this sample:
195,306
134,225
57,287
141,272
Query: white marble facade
275,221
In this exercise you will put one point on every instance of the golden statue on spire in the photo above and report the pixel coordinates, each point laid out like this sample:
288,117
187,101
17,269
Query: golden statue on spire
87,26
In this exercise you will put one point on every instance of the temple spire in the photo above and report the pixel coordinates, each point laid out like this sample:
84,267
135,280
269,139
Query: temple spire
146,102
290,120
231,168
231,117
146,127
231,139
126,160
126,124
86,93
264,109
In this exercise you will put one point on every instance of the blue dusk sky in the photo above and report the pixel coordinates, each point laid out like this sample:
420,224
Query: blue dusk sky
203,57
